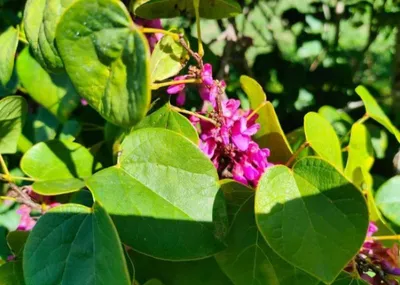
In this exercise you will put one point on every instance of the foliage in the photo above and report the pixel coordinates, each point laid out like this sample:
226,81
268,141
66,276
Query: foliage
134,154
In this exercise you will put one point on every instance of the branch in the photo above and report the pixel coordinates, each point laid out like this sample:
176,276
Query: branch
21,197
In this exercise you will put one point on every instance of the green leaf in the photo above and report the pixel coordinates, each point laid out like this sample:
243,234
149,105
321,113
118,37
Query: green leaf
346,279
198,272
270,134
71,243
13,111
296,139
56,165
379,140
45,125
216,9
163,197
167,118
12,85
341,121
323,139
388,199
317,220
16,241
153,282
8,47
53,91
360,152
106,57
248,258
40,22
11,273
70,130
374,111
167,58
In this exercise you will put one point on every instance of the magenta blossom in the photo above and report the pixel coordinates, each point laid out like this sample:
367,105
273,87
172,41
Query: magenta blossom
178,89
376,263
229,144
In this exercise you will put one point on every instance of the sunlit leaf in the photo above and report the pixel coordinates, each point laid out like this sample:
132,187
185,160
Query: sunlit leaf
8,47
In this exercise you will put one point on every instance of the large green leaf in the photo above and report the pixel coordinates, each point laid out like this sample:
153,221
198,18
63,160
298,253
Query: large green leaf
323,139
163,196
215,9
312,216
360,152
40,22
57,166
374,111
198,272
16,241
8,47
346,279
167,118
71,244
11,273
167,58
13,111
45,125
53,91
270,134
106,57
248,259
388,199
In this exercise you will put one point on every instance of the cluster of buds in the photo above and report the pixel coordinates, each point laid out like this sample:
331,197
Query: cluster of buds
376,263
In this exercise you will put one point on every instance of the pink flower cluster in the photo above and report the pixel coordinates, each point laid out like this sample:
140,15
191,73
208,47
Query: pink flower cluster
376,263
27,222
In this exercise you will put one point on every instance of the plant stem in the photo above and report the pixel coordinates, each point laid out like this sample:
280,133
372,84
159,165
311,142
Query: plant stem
24,198
156,86
196,4
175,36
296,154
13,178
255,111
4,166
193,114
393,237
196,56
23,40
8,198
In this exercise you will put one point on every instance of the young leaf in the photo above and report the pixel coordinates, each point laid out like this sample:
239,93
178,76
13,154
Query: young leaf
71,243
8,47
248,258
11,273
317,220
167,118
164,199
216,9
53,91
360,152
69,161
375,111
106,57
13,111
388,199
168,58
323,139
197,272
270,134
40,22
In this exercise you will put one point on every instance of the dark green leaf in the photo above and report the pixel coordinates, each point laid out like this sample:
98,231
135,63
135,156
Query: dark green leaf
16,241
346,279
45,125
163,196
11,273
70,130
72,243
13,111
8,47
106,57
311,216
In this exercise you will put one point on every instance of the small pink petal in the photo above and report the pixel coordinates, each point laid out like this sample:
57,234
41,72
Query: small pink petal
206,74
181,99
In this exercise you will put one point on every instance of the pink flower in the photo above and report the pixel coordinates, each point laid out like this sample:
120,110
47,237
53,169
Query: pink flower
178,89
242,132
206,74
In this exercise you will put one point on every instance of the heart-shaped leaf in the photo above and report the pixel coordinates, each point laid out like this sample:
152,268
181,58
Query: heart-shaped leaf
167,118
57,165
11,273
8,47
216,9
360,152
388,199
323,139
164,184
71,243
40,22
106,57
13,110
167,58
312,216
196,272
53,91
270,134
248,259
375,112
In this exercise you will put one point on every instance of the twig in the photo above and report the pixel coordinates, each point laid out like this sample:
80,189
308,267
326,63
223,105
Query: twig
195,55
22,197
296,154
